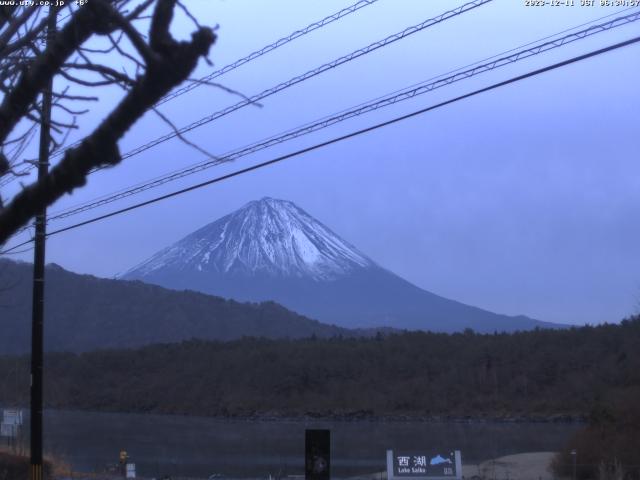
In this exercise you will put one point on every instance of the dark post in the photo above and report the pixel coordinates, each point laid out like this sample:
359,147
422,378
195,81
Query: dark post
37,330
317,451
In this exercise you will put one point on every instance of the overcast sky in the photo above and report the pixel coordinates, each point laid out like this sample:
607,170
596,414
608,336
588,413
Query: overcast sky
524,200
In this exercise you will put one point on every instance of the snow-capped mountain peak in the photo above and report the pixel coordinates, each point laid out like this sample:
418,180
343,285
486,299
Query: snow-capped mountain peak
267,236
271,250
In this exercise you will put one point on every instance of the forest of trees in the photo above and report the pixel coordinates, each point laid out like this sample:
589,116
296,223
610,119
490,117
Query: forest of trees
536,373
607,448
587,373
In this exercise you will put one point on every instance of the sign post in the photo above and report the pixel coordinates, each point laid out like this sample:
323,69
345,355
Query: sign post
123,457
424,465
317,455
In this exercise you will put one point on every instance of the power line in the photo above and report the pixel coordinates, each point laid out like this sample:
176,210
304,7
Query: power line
310,74
268,48
17,252
376,104
343,137
238,63
206,164
298,79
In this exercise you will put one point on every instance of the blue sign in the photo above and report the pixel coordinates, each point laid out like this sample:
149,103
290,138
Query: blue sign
425,464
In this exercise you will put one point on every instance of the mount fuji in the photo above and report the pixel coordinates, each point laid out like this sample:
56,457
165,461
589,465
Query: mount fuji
273,250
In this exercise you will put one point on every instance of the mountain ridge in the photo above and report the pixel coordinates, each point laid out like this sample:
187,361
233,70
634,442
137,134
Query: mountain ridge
84,312
271,249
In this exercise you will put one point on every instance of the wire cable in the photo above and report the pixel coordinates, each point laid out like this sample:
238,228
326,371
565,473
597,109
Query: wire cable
238,63
334,140
361,109
206,163
310,74
272,46
298,79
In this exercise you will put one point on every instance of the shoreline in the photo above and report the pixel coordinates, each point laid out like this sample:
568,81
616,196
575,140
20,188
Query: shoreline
521,466
354,416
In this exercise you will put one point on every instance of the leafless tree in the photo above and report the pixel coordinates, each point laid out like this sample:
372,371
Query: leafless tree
151,65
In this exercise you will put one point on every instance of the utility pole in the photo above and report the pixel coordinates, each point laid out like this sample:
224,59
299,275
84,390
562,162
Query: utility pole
37,330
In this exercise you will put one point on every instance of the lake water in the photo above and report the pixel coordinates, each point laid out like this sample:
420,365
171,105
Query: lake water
196,446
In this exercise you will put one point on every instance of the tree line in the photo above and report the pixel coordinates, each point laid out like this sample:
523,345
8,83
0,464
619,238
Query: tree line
591,372
534,373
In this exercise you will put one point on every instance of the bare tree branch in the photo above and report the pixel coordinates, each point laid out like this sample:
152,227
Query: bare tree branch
81,26
104,71
146,52
14,25
226,89
170,64
182,138
31,35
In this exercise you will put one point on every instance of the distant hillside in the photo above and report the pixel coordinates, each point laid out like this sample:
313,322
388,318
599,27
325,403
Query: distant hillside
86,313
537,373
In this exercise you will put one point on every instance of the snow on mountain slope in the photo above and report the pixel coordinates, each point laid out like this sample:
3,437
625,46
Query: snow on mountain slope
267,236
272,250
